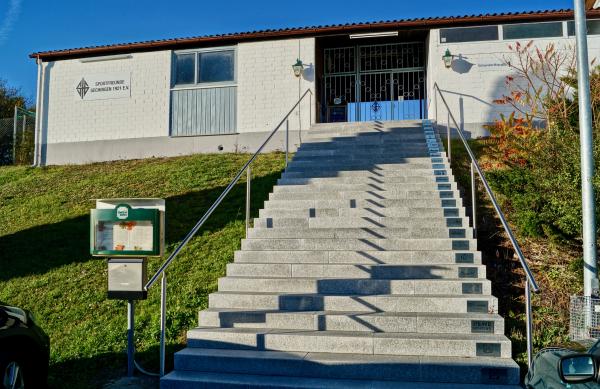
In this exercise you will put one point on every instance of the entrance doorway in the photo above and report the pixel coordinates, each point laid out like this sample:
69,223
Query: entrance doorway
374,82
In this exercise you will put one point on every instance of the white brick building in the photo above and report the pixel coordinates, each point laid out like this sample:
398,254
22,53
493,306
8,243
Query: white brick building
225,93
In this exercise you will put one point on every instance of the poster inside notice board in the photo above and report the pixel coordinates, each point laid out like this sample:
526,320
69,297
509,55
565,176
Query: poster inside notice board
124,235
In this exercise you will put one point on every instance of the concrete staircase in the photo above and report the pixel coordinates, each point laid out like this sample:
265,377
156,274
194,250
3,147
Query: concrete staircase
361,271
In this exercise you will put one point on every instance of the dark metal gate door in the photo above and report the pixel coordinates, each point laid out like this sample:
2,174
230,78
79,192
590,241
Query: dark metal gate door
375,82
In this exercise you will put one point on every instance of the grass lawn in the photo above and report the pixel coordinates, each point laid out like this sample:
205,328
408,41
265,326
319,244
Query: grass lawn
45,264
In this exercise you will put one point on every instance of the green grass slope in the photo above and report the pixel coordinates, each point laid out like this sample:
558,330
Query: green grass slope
45,264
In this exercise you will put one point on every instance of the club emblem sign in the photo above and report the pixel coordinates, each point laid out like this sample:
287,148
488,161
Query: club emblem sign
82,88
376,107
103,86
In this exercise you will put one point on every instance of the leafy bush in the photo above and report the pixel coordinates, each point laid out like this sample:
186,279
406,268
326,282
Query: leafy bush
537,169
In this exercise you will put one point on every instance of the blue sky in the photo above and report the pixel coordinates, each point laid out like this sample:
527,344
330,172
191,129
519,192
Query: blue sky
36,25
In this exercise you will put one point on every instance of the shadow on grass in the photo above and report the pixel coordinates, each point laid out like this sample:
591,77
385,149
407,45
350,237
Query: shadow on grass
97,371
42,248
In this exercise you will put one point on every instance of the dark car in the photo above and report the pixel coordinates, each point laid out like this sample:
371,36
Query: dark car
24,350
555,368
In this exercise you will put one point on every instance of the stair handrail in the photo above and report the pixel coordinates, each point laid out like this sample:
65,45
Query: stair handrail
161,270
530,282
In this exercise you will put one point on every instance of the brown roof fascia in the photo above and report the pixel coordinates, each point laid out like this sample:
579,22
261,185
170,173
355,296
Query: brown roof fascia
180,43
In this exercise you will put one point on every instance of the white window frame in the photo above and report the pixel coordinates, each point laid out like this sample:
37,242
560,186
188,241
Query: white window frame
203,85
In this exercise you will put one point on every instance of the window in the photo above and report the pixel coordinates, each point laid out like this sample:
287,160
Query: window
216,66
593,27
533,30
184,68
204,67
469,34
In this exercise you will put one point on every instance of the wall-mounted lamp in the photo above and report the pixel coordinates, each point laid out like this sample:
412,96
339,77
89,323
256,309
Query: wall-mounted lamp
447,58
298,68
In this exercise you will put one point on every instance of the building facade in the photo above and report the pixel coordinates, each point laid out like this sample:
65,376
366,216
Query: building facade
226,93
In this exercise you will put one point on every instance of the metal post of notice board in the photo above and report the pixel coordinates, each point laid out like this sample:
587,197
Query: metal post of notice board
130,337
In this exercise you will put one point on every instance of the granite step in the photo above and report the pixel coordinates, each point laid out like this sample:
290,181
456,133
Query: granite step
447,323
357,286
360,303
366,257
361,233
362,222
359,244
352,342
327,272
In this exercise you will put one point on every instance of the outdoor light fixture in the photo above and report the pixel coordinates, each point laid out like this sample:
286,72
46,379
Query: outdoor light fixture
374,35
447,58
298,68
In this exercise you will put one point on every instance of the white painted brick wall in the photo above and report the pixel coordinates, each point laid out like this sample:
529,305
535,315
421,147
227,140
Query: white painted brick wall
480,85
267,87
144,114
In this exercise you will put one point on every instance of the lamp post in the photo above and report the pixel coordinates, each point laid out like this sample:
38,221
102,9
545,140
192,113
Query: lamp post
590,272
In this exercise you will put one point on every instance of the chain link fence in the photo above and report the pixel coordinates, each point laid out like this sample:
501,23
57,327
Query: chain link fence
585,319
17,138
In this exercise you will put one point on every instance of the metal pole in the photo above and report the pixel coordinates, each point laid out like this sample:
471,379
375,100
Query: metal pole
14,143
436,106
448,135
130,338
299,97
287,141
473,200
248,183
590,272
529,323
310,107
163,321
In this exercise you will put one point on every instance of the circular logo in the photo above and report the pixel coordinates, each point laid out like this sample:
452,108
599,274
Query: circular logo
337,101
376,106
122,212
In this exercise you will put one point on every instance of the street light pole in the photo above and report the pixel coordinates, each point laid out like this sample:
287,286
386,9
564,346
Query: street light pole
590,272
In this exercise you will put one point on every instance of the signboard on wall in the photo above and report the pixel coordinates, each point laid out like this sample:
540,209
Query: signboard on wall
103,86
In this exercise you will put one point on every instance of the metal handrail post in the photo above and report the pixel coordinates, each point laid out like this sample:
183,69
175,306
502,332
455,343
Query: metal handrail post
287,141
14,142
436,107
473,200
248,190
310,110
448,139
163,321
529,323
130,337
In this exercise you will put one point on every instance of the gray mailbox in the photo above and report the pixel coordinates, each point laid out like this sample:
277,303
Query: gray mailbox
127,278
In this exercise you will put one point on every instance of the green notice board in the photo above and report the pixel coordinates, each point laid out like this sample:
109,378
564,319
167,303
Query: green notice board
125,231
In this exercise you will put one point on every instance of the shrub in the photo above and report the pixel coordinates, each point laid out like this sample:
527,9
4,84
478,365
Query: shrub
537,169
